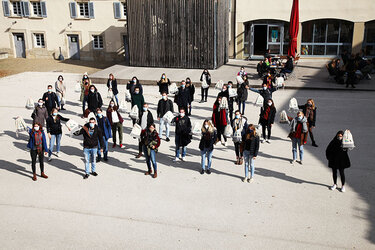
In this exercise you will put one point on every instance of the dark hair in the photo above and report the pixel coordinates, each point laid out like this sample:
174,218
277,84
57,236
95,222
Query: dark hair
164,92
145,103
188,78
61,77
182,109
152,124
40,99
37,123
340,133
273,103
49,86
99,109
230,82
92,119
237,111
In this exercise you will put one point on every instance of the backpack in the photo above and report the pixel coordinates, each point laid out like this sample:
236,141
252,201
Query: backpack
30,104
136,131
293,105
284,117
168,117
219,85
134,113
172,89
20,125
259,101
347,140
224,103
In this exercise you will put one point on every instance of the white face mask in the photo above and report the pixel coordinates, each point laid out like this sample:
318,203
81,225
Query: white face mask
92,90
49,90
182,114
54,114
100,115
229,86
134,81
112,105
264,88
270,104
36,128
183,86
40,104
136,92
144,109
206,126
92,125
164,97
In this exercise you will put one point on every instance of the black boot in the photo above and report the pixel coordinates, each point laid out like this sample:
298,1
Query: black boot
62,107
105,157
99,158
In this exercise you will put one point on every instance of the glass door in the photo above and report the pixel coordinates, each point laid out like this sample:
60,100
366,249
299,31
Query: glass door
275,38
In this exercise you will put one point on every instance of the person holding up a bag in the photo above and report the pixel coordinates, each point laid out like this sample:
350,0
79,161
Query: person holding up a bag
112,86
266,119
40,113
206,145
298,134
338,159
116,120
182,133
250,147
206,76
164,105
38,147
309,109
239,125
145,121
265,92
242,93
60,91
150,143
220,121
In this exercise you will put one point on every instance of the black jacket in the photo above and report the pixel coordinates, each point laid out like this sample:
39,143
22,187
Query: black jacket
337,156
304,108
208,140
251,145
242,92
271,115
207,76
226,94
91,141
164,107
114,86
183,129
94,101
183,97
150,118
54,126
191,89
131,87
50,100
163,87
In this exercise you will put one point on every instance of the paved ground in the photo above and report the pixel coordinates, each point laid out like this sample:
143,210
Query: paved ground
287,207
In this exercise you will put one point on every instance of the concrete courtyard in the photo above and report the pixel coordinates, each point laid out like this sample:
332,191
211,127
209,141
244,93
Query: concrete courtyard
286,207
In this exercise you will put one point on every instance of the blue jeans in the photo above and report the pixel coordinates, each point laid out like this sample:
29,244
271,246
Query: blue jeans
105,148
248,161
150,158
206,153
117,103
241,103
177,142
90,157
54,138
297,142
162,124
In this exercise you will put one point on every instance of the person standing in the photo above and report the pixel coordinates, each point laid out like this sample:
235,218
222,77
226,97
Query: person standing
164,105
38,147
105,126
206,145
54,131
250,142
309,110
163,84
85,88
182,133
338,159
204,91
50,99
133,85
40,113
145,120
239,125
112,86
137,99
242,94
219,120
190,86
298,134
266,119
183,97
94,99
225,93
150,143
116,121
92,135
265,92
61,91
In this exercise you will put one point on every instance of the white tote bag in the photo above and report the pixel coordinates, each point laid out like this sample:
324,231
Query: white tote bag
134,113
168,117
72,126
224,103
259,101
279,81
237,136
136,131
228,131
20,125
204,83
347,140
258,129
123,107
196,128
219,85
128,97
77,87
110,94
30,103
293,105
284,117
232,92
91,115
239,79
173,89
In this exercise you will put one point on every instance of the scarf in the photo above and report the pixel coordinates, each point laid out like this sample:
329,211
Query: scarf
38,141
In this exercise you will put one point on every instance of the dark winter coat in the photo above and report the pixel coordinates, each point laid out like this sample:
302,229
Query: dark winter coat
183,129
271,115
183,97
207,76
91,141
138,99
150,118
131,87
54,126
266,94
337,156
94,100
163,107
148,138
208,140
39,115
163,86
191,89
251,145
50,100
242,92
105,126
114,86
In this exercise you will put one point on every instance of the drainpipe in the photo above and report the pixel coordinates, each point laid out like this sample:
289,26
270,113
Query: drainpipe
234,27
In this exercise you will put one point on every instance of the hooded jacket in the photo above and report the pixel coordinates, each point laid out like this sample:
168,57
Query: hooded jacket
94,100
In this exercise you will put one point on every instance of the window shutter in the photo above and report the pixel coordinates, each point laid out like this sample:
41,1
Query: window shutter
44,9
25,9
116,9
91,10
6,8
73,10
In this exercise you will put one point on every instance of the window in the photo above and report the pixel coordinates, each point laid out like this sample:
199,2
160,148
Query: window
97,42
84,9
120,10
326,37
39,40
37,9
369,41
17,8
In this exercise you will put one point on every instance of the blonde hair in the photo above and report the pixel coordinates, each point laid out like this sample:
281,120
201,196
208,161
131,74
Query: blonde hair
210,127
313,103
300,113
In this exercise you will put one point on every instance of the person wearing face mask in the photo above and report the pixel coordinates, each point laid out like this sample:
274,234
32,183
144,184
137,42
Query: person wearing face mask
40,113
164,105
242,72
112,86
266,119
182,133
183,98
50,99
269,79
338,159
150,143
94,99
105,126
133,84
92,136
242,94
219,120
309,110
250,147
265,92
137,99
145,121
298,134
190,86
204,91
38,147
54,131
61,91
85,89
206,145
163,84
225,93
116,121
239,125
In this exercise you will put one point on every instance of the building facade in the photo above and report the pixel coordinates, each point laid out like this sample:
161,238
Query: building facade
87,30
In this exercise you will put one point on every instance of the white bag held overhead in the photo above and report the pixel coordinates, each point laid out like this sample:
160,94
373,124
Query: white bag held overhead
77,87
347,140
293,105
205,84
284,117
224,103
172,89
128,97
228,131
259,101
30,104
168,117
20,125
196,128
134,113
279,81
123,108
239,79
136,131
110,94
219,85
232,92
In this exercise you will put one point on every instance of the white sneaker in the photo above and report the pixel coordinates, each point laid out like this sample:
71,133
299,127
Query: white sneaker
183,158
333,187
176,159
224,143
292,161
268,141
343,189
244,179
57,154
250,180
49,158
262,140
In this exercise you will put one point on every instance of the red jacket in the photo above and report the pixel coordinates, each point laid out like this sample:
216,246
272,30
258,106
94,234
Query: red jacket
222,115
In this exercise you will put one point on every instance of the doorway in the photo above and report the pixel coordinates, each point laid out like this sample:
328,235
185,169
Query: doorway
260,39
19,44
73,41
